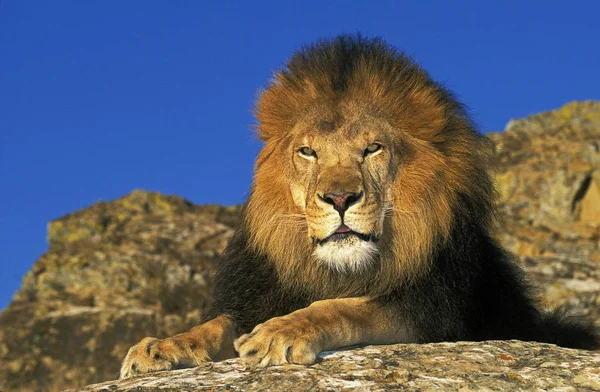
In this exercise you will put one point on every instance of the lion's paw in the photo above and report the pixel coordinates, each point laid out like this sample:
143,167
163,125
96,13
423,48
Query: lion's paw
280,340
152,355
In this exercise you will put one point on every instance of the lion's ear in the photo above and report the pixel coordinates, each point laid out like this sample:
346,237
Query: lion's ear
273,112
427,113
278,106
274,108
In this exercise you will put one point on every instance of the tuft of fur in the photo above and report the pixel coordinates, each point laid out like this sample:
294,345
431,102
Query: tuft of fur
570,331
437,262
344,259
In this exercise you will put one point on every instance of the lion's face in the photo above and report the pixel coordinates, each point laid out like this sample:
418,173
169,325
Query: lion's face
365,166
340,173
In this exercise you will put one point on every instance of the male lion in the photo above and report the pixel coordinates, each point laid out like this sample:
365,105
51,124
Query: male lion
368,223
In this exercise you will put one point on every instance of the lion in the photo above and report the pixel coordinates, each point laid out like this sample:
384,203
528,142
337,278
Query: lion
369,222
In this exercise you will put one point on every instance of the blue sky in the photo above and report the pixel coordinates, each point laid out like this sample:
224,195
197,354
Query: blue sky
101,97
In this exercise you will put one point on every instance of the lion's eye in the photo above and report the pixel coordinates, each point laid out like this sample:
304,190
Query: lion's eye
372,148
307,152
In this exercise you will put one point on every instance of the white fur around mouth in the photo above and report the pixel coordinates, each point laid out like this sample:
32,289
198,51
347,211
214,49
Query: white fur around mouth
350,255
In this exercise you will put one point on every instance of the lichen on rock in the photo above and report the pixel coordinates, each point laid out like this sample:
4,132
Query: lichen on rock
462,366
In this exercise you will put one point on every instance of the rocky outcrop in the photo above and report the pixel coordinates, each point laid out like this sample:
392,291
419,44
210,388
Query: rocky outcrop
549,182
462,366
142,266
548,178
114,273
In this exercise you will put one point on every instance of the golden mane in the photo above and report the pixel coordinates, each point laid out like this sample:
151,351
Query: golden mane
444,175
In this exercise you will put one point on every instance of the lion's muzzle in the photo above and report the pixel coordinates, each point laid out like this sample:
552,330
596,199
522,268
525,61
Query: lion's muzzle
341,201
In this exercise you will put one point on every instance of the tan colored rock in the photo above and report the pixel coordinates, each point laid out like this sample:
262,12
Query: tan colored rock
114,273
588,208
462,366
547,177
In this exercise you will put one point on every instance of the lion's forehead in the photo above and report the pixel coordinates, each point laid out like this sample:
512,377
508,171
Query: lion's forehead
350,119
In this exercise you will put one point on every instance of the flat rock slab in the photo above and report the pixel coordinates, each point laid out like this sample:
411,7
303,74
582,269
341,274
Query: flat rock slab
463,366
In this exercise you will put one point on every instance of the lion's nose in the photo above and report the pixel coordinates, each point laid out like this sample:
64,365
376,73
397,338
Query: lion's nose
341,201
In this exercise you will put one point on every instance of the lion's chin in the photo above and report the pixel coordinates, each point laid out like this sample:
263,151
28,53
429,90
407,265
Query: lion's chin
350,255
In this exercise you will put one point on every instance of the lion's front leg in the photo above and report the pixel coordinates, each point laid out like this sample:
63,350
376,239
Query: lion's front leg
211,341
330,324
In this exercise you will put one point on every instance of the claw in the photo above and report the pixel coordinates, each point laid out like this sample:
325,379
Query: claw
278,341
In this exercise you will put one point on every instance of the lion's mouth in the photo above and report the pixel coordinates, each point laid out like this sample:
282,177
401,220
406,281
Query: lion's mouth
343,233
